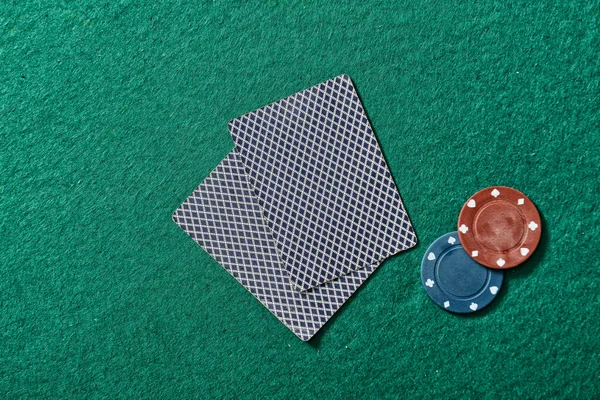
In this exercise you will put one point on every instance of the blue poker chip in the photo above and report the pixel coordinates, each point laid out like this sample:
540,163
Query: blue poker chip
455,281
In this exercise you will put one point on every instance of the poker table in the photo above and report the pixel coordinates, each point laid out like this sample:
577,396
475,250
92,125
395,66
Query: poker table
111,114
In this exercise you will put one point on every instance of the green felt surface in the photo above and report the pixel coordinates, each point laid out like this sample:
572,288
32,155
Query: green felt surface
111,113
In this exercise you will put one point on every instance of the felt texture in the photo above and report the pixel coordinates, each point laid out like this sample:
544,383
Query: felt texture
111,113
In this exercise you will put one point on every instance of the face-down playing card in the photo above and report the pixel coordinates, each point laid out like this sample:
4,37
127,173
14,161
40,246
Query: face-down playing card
322,182
222,215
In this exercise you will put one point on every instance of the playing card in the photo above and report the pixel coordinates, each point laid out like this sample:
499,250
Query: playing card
322,183
223,216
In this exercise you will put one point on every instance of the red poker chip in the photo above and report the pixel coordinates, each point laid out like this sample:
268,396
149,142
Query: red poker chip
499,227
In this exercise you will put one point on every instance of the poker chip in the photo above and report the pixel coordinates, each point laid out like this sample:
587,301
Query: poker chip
455,281
499,227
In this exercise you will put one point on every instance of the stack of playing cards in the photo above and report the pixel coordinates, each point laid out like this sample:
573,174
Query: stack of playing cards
304,208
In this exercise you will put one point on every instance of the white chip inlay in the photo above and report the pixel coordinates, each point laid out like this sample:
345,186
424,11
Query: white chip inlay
429,283
431,256
473,306
524,251
533,226
451,240
495,193
500,262
446,304
463,228
521,202
471,204
474,253
493,289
